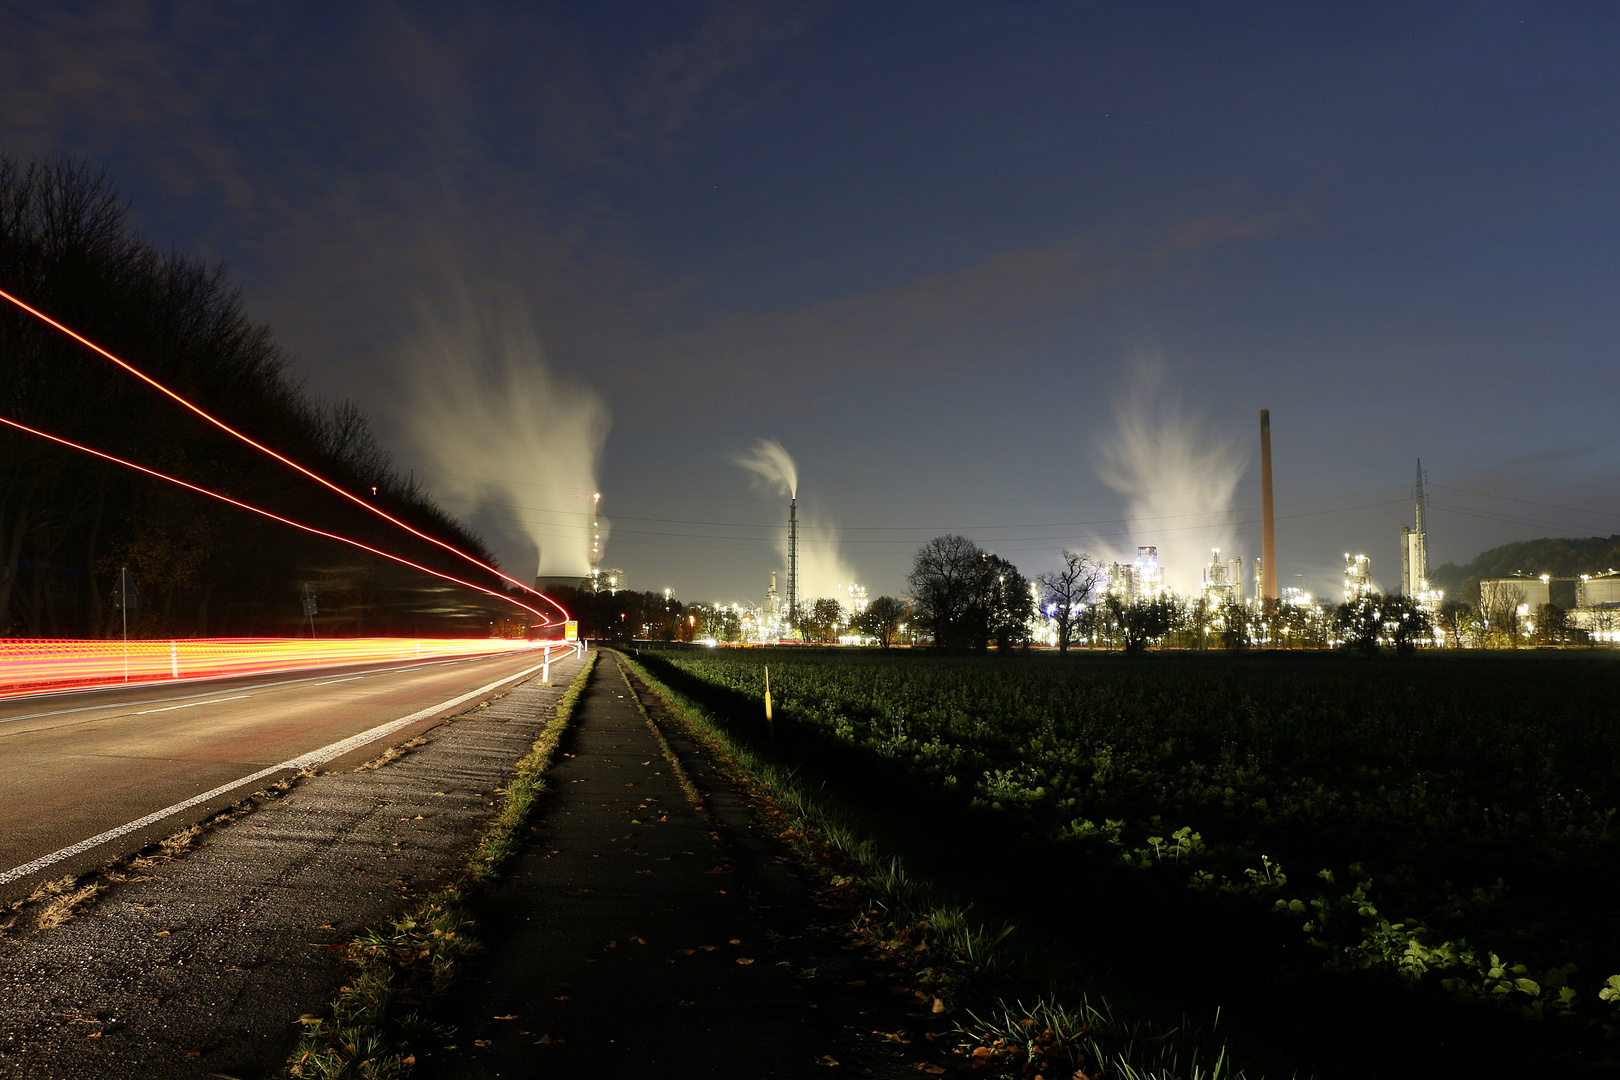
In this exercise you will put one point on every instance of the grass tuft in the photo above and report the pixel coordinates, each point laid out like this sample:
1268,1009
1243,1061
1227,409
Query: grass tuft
400,966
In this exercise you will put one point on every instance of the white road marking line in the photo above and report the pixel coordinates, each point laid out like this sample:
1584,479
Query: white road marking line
334,682
205,693
191,705
303,761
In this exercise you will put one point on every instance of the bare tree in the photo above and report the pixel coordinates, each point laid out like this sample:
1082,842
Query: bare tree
1064,593
883,618
1552,625
946,579
1499,604
1602,623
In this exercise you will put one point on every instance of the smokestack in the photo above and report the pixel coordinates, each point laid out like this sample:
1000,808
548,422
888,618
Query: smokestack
1268,519
596,531
793,561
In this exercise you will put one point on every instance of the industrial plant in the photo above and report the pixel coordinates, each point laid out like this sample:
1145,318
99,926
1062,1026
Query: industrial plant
1238,597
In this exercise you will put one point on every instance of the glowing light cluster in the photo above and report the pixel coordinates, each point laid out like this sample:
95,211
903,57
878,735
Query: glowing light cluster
30,667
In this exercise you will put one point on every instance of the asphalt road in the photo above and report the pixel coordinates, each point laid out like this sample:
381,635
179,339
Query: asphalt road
73,766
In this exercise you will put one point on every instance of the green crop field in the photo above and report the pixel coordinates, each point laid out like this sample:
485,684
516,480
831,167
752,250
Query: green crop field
1443,825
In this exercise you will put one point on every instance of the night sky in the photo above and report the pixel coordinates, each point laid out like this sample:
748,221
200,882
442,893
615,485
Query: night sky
1025,271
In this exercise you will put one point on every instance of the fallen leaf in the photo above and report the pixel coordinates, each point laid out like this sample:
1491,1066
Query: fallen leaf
744,960
828,1059
687,952
544,1040
560,997
708,948
938,1007
931,1070
857,982
735,941
480,1042
511,1017
94,1035
161,933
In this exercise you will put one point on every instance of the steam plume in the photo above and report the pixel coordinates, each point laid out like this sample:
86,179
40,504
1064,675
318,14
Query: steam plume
501,432
821,564
771,463
1178,475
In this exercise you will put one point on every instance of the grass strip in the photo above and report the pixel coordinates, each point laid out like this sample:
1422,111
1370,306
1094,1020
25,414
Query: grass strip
401,965
955,960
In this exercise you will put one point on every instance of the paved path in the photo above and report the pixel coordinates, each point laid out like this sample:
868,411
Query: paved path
625,945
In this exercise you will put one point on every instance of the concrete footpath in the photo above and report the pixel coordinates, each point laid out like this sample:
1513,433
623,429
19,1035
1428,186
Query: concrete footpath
640,936
201,965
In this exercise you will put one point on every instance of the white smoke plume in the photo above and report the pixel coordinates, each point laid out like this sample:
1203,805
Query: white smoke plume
504,436
770,462
821,565
1179,476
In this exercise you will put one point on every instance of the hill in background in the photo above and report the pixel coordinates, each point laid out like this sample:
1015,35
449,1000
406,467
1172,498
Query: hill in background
1557,556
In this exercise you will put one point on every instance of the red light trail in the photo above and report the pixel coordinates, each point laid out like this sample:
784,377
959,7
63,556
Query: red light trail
87,343
32,667
544,620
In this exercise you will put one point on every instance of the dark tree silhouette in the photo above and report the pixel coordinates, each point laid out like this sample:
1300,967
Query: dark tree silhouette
967,596
68,521
1065,591
883,619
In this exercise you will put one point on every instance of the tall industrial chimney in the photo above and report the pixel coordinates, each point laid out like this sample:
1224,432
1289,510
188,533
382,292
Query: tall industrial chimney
1268,519
596,532
793,562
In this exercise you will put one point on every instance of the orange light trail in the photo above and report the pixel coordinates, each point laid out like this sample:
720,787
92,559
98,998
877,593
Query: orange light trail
32,667
87,343
544,620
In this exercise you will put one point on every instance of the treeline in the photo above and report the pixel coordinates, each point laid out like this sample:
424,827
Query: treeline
967,599
68,521
624,615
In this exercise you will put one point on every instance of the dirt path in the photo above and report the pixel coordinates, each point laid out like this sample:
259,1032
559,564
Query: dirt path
640,936
623,945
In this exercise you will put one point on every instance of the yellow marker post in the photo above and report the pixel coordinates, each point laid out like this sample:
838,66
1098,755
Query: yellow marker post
767,694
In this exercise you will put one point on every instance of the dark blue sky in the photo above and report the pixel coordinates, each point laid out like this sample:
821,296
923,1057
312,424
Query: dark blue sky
953,255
